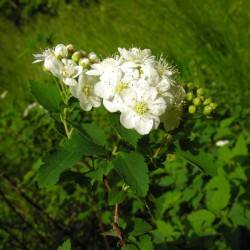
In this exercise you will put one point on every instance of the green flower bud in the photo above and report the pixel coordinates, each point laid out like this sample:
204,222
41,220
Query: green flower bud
70,48
213,105
84,62
191,109
207,101
207,110
197,101
189,96
190,85
200,91
76,56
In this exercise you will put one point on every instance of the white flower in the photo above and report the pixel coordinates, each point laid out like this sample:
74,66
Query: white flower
135,56
61,51
221,143
53,65
163,68
41,57
69,72
106,66
142,108
84,91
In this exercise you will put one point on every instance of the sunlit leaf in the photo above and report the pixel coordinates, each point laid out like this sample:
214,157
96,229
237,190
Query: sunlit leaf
71,151
134,170
217,193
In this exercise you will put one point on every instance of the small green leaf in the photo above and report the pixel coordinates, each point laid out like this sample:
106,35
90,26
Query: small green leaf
166,230
96,133
141,227
65,246
217,193
47,94
146,242
134,170
129,247
128,135
116,196
203,161
102,169
240,215
71,151
201,221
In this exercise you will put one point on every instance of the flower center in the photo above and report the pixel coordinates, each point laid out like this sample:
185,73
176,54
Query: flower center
87,90
120,87
140,70
141,108
67,72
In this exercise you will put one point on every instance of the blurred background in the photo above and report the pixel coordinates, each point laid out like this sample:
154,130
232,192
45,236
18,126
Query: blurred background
207,41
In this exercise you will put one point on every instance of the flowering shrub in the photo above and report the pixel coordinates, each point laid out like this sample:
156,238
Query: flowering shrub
148,118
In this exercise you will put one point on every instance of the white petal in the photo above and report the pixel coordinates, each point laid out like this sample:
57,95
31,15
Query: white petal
52,64
78,71
74,90
103,90
86,106
111,106
70,81
128,120
143,126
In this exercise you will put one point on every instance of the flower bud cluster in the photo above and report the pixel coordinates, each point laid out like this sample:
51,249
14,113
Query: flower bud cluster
133,82
196,101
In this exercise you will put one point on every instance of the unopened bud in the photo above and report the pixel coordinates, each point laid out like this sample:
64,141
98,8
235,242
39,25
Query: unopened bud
207,110
197,101
190,85
92,57
84,62
61,51
189,96
70,48
207,101
76,56
200,91
191,109
213,105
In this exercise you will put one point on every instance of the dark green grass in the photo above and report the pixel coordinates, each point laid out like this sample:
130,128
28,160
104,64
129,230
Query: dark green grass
206,40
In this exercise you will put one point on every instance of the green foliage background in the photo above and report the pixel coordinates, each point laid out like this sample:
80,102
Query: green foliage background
208,41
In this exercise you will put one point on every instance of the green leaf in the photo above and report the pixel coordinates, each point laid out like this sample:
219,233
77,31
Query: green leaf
47,94
65,246
217,193
71,151
166,230
128,135
134,170
96,133
129,247
102,169
146,242
240,215
201,221
141,227
240,147
116,196
203,161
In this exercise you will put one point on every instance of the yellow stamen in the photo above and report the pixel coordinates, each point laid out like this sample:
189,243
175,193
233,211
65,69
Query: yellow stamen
120,87
86,90
141,108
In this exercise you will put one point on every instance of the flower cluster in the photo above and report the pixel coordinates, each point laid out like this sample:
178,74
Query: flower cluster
133,82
